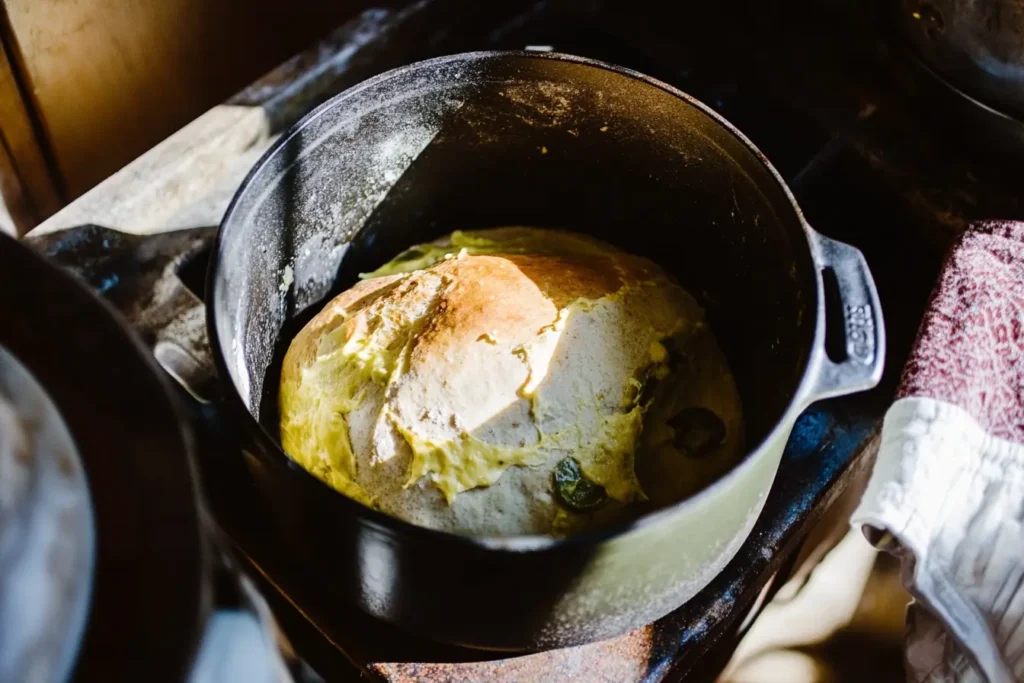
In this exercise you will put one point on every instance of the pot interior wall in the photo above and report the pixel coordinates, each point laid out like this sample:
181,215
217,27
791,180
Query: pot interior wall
490,140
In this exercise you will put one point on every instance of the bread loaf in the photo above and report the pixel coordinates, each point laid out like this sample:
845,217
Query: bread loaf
507,382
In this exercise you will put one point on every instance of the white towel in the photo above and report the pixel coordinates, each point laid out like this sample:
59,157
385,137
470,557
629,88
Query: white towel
947,491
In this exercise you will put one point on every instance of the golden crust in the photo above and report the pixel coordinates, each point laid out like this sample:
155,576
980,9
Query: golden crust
514,296
302,350
487,296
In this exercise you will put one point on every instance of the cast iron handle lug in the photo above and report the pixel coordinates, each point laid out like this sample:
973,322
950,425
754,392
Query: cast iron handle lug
863,327
181,346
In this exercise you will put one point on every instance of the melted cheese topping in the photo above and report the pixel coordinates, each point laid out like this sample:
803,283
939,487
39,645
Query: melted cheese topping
368,354
455,466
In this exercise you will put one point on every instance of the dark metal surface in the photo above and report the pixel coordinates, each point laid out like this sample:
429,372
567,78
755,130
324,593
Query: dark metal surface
997,131
150,595
846,71
170,318
977,45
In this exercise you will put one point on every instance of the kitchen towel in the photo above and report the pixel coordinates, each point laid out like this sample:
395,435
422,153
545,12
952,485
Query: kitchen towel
947,491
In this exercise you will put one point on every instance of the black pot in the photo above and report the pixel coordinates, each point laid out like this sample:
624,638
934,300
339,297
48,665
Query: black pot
162,600
152,585
492,139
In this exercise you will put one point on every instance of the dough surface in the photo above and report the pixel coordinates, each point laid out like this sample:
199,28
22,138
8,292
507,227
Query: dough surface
446,387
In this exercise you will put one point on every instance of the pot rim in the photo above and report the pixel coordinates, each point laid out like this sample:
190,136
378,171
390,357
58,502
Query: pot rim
271,452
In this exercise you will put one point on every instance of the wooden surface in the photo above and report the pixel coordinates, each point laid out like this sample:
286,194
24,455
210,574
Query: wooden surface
187,180
27,186
110,78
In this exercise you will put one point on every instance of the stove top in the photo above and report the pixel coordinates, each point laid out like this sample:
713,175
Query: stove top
836,105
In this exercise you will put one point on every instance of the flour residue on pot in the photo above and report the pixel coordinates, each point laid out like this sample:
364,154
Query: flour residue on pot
545,104
597,613
370,166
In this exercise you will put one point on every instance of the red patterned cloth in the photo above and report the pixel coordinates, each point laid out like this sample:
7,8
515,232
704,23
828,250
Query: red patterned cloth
948,482
970,349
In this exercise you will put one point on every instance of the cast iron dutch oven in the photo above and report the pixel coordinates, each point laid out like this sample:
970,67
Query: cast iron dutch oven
490,139
151,591
153,597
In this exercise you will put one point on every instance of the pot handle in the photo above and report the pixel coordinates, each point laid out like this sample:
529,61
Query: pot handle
183,351
845,272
